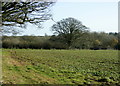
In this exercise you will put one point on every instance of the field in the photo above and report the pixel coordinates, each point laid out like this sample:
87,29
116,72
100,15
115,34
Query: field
32,66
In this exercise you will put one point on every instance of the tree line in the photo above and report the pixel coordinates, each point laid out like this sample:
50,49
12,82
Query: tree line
90,40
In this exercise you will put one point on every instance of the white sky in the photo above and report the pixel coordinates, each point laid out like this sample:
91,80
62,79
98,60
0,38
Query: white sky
98,16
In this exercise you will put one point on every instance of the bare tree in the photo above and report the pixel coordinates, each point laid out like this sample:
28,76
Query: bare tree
69,30
17,14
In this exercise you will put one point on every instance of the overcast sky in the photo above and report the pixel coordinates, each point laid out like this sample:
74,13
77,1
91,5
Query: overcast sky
98,16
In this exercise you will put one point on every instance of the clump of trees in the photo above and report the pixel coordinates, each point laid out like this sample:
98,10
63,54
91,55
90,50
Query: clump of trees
93,40
90,40
32,42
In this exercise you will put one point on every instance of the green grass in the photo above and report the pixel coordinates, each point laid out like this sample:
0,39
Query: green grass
32,66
